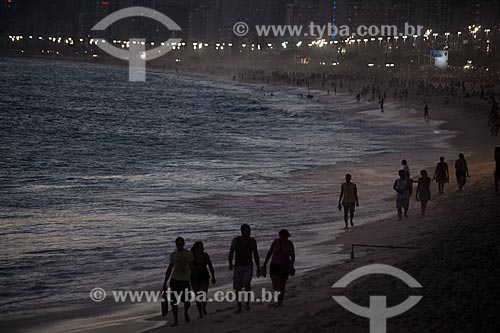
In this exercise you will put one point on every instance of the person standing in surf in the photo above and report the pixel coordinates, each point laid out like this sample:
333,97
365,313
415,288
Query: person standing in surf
181,263
424,191
282,264
348,200
243,248
462,171
426,113
401,186
442,174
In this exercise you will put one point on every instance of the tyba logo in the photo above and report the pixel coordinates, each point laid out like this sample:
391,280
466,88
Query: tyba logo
137,55
378,312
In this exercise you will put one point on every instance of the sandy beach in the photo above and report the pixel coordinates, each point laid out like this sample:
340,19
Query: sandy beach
456,254
457,259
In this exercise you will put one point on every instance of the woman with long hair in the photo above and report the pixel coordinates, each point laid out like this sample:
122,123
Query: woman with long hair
462,171
282,264
200,275
424,190
442,174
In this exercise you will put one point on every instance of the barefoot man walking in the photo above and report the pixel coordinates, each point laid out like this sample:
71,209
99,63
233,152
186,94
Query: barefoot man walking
181,264
243,248
348,200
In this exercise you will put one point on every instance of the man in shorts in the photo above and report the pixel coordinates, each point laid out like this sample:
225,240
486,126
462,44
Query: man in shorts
243,248
402,187
181,264
348,200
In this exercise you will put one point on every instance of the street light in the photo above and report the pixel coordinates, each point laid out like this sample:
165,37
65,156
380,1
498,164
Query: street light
427,33
488,48
473,29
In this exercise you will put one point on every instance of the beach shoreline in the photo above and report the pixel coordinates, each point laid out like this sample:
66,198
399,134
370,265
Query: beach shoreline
468,140
470,137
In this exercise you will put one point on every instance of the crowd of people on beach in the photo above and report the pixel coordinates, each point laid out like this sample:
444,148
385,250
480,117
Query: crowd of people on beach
194,269
377,87
403,186
460,85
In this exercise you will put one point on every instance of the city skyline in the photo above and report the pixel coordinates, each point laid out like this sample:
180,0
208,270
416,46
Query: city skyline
213,19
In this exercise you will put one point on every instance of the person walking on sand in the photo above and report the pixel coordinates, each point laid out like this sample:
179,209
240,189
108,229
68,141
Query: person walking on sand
381,104
181,263
442,174
243,248
200,275
406,169
348,199
426,113
401,186
282,264
462,171
424,191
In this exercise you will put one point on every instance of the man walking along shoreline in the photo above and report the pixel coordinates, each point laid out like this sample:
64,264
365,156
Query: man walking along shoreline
243,248
179,268
348,200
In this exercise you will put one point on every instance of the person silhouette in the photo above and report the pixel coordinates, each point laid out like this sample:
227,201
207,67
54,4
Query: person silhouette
401,186
462,171
424,191
348,200
181,264
243,248
441,175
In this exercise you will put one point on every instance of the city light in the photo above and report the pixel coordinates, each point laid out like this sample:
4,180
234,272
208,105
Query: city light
473,29
390,43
